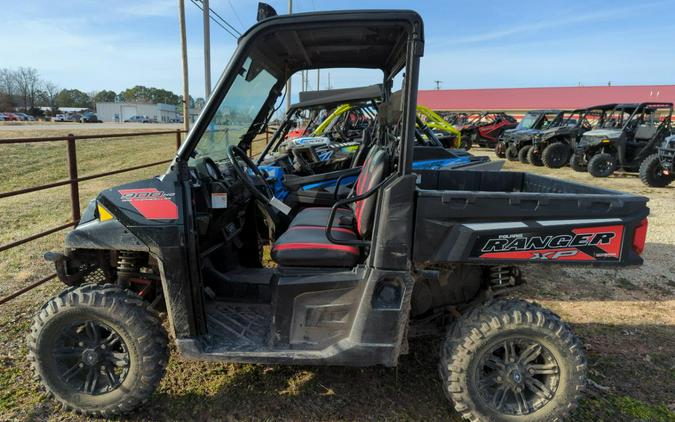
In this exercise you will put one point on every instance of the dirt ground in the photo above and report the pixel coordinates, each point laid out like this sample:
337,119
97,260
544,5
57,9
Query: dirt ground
626,319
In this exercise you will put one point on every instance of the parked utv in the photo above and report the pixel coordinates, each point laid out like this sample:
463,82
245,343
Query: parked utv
306,169
554,146
486,128
658,170
629,134
407,253
517,142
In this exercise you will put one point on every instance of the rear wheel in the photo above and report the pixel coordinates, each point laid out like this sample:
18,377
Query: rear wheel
555,155
98,350
534,157
500,149
602,165
511,360
651,173
577,163
511,153
523,154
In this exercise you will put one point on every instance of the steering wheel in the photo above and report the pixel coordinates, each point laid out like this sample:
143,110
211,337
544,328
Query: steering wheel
234,153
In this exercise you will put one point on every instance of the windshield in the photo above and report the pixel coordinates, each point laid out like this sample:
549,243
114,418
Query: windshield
617,118
528,121
237,111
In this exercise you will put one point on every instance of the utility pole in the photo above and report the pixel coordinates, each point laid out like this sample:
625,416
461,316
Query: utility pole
318,79
183,46
288,83
438,85
207,50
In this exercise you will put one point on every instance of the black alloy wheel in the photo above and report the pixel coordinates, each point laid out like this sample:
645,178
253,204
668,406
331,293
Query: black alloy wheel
517,376
91,357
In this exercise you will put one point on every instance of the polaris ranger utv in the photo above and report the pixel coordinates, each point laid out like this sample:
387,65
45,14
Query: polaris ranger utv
630,133
658,170
554,146
533,122
519,142
406,254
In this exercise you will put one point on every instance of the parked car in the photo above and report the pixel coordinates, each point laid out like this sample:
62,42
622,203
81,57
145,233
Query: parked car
630,133
59,118
137,119
2,117
89,117
11,117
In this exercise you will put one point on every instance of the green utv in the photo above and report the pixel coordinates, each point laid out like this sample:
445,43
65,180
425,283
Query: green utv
405,253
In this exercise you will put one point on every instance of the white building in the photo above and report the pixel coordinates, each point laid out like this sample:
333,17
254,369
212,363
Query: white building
119,112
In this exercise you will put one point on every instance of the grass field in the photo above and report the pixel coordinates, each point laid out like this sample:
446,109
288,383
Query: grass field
626,318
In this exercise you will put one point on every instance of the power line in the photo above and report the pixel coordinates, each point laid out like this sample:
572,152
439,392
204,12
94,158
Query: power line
224,21
216,21
236,15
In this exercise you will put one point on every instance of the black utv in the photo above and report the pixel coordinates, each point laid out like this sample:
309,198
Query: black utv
514,140
629,134
658,170
406,253
554,146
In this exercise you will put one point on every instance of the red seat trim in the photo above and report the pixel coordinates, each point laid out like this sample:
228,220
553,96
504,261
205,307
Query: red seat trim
345,248
337,229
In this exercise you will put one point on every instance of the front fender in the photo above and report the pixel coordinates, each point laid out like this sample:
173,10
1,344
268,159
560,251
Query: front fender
108,235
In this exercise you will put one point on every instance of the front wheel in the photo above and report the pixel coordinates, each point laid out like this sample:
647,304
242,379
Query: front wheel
534,157
555,155
577,163
523,154
98,350
511,153
602,165
651,173
511,360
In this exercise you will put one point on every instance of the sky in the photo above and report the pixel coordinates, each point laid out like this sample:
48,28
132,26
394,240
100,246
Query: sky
95,45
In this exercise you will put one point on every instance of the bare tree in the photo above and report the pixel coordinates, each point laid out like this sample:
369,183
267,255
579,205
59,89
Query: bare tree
28,84
7,89
49,92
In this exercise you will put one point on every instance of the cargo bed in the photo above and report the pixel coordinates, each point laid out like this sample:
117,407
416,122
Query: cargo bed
511,217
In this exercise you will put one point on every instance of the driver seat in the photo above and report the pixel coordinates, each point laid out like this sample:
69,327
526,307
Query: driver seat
305,242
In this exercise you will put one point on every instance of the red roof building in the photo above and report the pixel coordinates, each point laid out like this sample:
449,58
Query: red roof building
523,99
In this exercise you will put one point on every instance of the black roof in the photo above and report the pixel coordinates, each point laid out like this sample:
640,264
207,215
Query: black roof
331,97
374,39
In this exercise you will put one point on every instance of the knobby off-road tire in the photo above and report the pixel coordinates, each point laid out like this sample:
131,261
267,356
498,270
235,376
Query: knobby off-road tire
534,157
651,173
523,154
500,149
477,370
576,164
602,165
511,153
556,155
98,349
